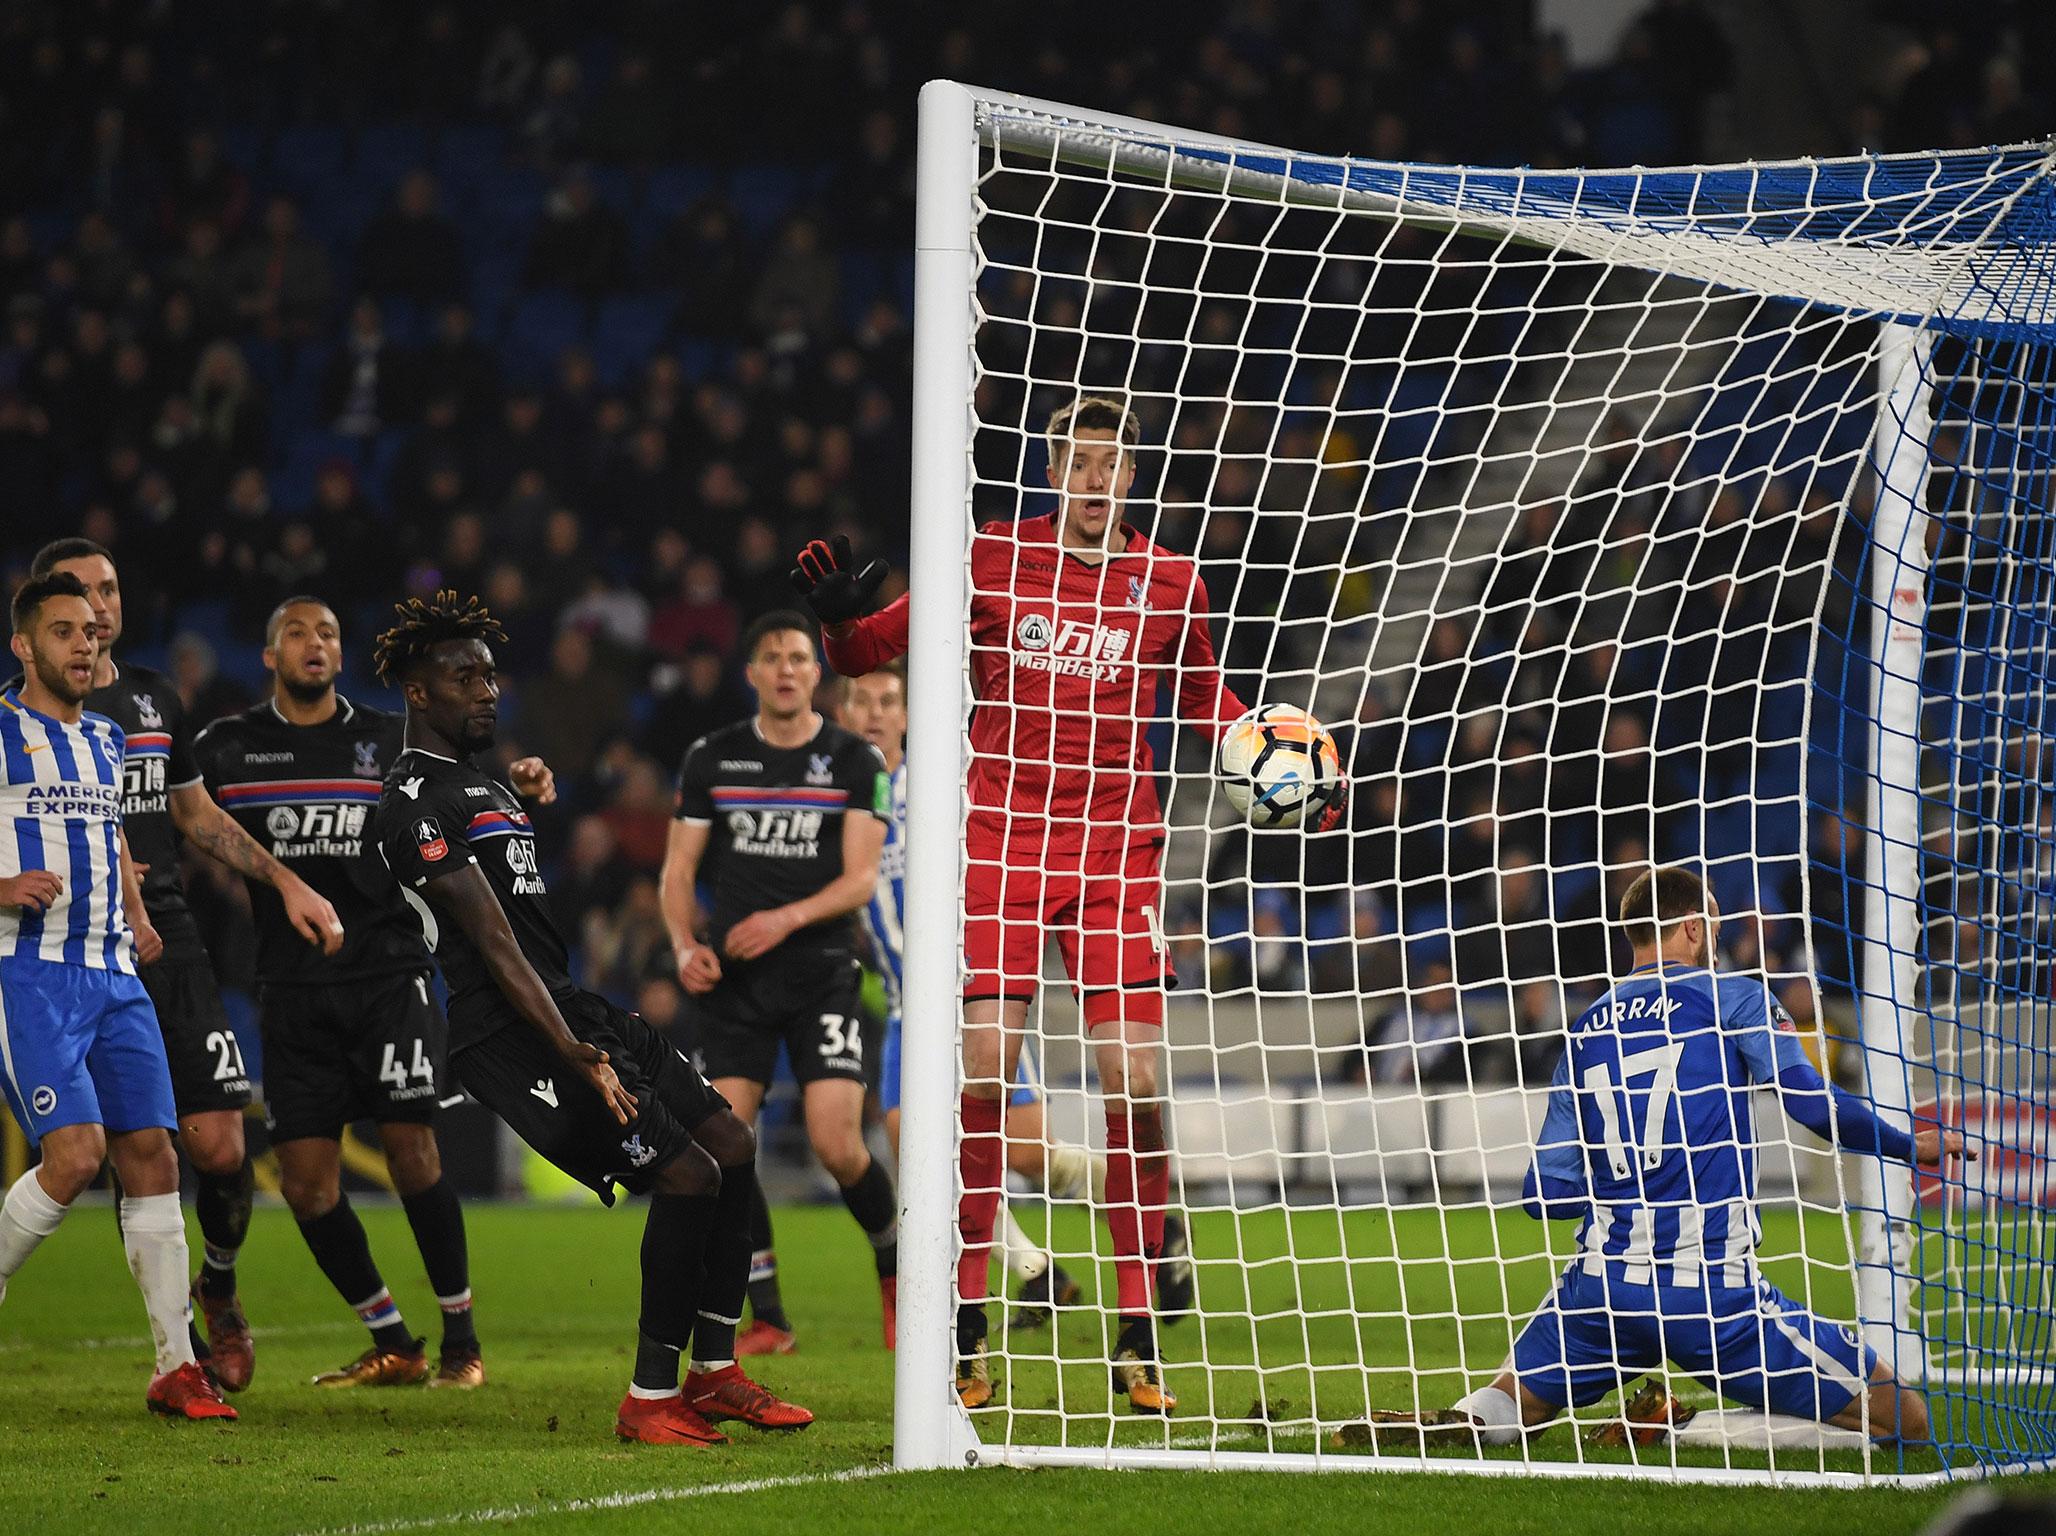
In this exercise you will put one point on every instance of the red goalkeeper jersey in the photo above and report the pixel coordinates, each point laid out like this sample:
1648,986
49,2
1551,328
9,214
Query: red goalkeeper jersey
1066,661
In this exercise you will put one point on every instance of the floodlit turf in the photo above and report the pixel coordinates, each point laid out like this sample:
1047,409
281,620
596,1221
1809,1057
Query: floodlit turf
556,1307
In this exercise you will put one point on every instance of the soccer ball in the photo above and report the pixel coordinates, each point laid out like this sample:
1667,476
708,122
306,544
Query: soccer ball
1276,764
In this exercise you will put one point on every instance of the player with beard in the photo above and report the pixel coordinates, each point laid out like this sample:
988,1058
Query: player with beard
81,1057
591,1087
163,800
354,1035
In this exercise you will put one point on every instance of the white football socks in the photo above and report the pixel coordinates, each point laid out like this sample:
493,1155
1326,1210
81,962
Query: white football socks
153,1230
1024,1260
1070,1172
27,1216
1498,1415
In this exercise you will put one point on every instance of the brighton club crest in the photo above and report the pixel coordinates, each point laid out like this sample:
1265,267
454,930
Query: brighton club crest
146,713
367,760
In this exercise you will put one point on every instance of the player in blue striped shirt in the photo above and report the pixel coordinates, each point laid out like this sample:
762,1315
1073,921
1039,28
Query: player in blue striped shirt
1649,1141
81,1057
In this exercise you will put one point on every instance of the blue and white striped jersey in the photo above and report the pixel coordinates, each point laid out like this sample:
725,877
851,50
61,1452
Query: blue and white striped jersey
885,914
1650,1124
60,810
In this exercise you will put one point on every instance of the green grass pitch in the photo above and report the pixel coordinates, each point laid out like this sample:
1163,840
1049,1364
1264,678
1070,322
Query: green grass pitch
556,1295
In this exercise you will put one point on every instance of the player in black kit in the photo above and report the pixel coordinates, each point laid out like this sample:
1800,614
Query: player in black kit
590,1086
162,801
788,812
354,1035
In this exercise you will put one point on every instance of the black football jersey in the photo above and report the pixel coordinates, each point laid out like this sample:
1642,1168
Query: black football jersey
776,818
306,793
159,759
437,815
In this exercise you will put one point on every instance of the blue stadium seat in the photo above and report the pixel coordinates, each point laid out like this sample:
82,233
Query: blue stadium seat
495,279
700,359
627,330
466,156
763,195
669,190
387,151
308,159
542,324
293,476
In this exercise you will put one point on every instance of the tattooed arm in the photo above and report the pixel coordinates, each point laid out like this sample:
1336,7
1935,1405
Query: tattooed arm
214,832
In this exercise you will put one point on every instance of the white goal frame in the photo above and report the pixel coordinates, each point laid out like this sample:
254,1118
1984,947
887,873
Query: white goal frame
930,1428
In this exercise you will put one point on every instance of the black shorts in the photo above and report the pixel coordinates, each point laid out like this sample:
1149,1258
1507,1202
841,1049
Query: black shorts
515,1074
808,1003
207,1070
370,1049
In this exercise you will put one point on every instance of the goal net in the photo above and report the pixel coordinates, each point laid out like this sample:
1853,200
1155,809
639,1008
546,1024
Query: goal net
1607,518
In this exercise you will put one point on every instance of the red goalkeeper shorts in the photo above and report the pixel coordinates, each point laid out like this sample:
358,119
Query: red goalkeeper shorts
1104,908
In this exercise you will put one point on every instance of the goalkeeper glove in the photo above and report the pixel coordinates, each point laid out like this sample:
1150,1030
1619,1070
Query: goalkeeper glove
823,577
1336,811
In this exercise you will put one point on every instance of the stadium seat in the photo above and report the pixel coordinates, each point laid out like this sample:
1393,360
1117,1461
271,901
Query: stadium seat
763,195
626,331
542,324
308,160
669,190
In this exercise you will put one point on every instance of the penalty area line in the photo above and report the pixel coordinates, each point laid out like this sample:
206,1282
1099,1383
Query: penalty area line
507,1514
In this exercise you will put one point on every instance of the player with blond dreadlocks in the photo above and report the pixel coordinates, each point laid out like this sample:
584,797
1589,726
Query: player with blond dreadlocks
591,1087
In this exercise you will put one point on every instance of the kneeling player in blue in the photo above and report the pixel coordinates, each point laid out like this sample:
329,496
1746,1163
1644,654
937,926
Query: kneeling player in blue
81,1057
1648,1139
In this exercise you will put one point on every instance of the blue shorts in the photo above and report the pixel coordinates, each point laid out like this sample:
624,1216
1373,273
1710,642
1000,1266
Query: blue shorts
1028,1075
80,1047
1755,1346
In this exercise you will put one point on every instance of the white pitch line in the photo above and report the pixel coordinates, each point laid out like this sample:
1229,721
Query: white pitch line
605,1501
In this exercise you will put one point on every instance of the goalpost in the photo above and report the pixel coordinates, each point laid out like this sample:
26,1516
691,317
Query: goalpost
1607,517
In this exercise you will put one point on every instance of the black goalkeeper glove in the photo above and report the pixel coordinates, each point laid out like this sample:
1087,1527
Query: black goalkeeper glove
836,594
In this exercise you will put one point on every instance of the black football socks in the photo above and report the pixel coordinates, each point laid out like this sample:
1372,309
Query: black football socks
871,1201
340,1247
438,1222
674,1261
223,1206
766,1306
729,1261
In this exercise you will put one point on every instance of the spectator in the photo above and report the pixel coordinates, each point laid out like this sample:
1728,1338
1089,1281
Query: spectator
227,408
1420,1041
640,813
411,250
630,121
281,279
706,698
698,618
567,715
594,877
456,364
344,522
582,244
703,256
201,272
204,188
798,285
365,387
202,687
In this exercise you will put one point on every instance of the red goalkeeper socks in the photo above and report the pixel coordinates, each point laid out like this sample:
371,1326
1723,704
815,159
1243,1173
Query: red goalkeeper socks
981,1161
1138,1189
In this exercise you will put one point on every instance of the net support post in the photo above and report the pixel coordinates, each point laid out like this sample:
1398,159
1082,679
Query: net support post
1890,1001
930,1428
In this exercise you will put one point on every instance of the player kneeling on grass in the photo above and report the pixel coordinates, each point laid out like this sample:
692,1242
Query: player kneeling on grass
1648,1139
592,1088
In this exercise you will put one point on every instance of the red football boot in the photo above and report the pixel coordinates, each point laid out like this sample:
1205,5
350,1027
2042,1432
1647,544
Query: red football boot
760,1338
889,1295
231,1353
663,1421
188,1393
728,1394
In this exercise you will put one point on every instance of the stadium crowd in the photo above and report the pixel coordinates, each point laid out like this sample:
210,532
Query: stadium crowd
364,299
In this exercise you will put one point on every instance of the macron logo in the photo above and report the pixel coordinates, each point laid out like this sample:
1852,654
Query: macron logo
411,788
546,1089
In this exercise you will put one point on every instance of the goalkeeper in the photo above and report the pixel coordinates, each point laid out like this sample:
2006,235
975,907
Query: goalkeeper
1076,618
1648,1140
